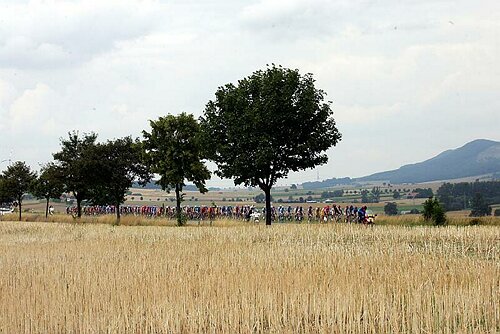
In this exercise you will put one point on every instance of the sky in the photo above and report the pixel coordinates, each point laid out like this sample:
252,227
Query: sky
408,79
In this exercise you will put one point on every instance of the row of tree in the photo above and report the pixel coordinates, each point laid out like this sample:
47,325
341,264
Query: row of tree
270,123
477,196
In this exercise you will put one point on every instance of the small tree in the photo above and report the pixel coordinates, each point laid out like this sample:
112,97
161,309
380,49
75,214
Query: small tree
173,150
17,181
79,166
120,164
396,195
375,195
434,211
48,185
439,216
364,196
260,198
428,209
391,209
273,122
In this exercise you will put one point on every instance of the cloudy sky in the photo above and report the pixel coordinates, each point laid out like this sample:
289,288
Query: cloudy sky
409,79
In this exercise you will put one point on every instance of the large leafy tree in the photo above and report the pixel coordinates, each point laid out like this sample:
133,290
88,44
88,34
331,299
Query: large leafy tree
17,180
79,166
173,151
48,185
120,164
270,123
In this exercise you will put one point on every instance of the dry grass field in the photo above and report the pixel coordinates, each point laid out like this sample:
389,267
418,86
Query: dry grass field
242,278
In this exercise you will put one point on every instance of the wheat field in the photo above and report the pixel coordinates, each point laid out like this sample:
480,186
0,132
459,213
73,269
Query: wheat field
237,278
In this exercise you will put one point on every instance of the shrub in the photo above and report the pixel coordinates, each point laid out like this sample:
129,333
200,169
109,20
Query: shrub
439,216
434,211
475,221
497,212
391,209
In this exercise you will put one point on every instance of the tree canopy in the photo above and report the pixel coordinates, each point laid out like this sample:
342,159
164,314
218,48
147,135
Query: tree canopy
49,184
5,195
391,208
78,165
434,211
269,124
120,164
17,180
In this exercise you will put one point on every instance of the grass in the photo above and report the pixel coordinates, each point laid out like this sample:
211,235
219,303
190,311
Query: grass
453,219
242,278
126,220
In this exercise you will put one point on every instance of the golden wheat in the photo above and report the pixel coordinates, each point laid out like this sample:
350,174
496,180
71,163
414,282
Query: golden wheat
236,278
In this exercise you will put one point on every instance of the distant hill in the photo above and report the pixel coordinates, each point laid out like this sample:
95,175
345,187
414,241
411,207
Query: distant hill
327,183
478,157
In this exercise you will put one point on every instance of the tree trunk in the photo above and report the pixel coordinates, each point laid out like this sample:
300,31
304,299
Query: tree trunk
178,206
47,208
117,207
19,202
79,207
267,191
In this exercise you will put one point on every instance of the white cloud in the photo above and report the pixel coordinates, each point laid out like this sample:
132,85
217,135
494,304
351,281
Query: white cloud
34,111
400,74
55,33
7,93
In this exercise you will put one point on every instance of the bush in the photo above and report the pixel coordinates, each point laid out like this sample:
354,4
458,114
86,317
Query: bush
439,215
391,209
497,212
475,221
434,211
260,198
